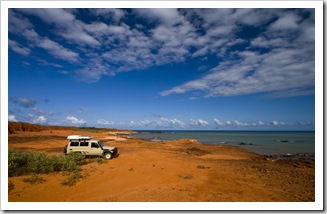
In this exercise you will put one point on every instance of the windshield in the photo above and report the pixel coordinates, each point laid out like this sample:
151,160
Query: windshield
100,143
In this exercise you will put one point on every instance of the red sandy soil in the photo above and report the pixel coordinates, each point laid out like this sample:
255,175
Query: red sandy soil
175,171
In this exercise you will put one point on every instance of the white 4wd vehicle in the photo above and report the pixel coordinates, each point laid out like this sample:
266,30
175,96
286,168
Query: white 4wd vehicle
89,147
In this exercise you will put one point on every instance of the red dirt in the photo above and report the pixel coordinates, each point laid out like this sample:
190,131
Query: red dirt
175,171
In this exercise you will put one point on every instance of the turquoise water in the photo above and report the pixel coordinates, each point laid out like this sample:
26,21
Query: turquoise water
261,142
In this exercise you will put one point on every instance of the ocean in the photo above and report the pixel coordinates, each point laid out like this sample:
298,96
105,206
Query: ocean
261,142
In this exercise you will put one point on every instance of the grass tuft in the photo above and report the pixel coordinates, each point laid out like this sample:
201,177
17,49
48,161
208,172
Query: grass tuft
34,178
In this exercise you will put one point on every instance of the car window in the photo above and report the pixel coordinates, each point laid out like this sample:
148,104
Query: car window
73,143
84,144
95,145
100,143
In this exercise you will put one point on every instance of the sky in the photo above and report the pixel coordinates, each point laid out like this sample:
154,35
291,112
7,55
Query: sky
175,69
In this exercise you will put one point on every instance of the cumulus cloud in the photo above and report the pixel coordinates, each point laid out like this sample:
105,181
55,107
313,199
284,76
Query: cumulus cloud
278,123
28,111
168,16
39,120
36,119
105,122
18,48
74,120
285,69
57,50
69,27
257,124
199,123
12,118
112,13
159,123
285,22
172,122
26,29
236,123
278,60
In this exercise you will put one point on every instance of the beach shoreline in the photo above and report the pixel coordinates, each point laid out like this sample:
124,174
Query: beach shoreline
183,170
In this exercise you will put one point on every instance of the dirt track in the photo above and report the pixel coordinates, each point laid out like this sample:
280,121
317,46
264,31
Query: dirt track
175,171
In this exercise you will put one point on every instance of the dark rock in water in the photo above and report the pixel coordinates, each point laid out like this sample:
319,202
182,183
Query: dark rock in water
285,141
298,156
244,144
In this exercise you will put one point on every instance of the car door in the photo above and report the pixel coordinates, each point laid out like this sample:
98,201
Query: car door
84,147
95,149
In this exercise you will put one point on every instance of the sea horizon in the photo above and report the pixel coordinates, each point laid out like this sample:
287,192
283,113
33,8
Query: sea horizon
270,142
214,130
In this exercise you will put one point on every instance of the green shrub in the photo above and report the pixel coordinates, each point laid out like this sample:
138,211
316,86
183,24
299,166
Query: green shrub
34,178
99,160
70,181
16,163
40,163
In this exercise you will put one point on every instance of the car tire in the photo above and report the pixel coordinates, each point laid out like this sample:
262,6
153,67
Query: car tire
108,156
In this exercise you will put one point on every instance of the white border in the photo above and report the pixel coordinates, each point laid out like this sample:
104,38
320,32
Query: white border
318,205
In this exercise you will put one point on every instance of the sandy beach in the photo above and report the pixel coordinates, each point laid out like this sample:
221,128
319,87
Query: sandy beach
175,171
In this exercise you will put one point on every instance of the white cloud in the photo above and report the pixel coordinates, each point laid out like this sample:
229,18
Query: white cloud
80,37
199,123
54,48
281,70
218,122
68,26
276,123
237,123
112,13
12,118
261,123
50,15
39,120
17,23
286,69
37,110
287,21
172,122
18,48
176,35
57,50
168,16
74,120
104,122
161,123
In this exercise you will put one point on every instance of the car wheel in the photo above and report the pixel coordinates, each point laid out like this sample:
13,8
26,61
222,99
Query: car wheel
107,156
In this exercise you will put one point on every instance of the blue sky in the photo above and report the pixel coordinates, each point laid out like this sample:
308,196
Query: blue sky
225,69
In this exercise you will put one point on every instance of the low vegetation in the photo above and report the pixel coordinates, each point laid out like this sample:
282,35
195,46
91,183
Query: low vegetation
37,163
70,181
34,178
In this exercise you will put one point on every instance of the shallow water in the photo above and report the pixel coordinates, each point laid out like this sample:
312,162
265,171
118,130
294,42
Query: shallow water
261,142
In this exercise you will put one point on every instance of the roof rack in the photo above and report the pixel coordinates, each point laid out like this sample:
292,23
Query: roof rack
79,137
